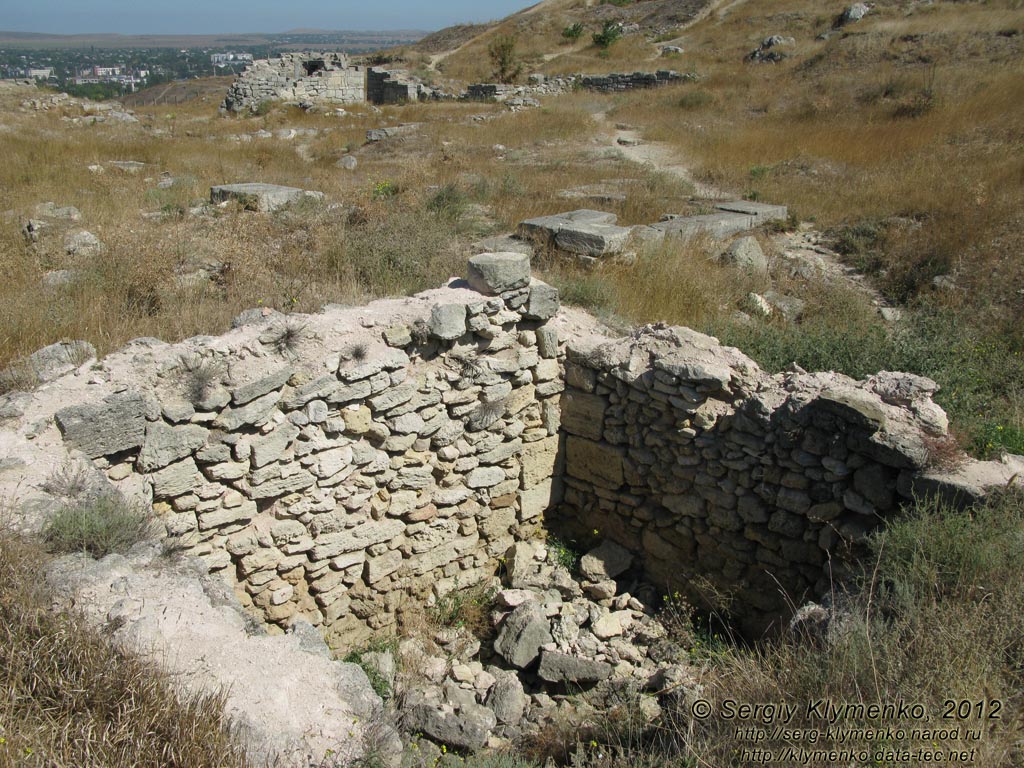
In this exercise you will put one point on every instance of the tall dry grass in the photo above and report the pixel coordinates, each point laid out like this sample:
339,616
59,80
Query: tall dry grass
68,698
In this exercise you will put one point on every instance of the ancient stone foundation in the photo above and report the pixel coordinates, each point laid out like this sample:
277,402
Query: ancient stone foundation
746,490
339,467
298,77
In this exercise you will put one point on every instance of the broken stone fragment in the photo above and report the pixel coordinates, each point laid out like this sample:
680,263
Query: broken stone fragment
495,273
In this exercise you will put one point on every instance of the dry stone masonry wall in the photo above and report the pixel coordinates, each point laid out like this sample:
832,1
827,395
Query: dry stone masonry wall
335,471
299,77
337,467
730,482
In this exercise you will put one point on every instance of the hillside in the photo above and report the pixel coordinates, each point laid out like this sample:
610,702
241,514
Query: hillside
727,409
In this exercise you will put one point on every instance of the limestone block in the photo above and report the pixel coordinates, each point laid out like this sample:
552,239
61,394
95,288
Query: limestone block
270,447
583,414
539,460
165,444
254,412
593,462
448,321
261,197
485,477
116,424
319,389
523,633
543,302
227,515
358,538
556,667
279,486
384,565
605,561
250,391
176,479
495,273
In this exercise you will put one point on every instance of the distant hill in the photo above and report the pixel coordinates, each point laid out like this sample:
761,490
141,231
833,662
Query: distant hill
355,41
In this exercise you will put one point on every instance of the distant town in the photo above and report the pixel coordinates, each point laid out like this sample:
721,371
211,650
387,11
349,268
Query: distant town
99,71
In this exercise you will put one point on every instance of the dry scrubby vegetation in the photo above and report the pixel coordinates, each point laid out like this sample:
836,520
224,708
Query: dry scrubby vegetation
68,698
900,139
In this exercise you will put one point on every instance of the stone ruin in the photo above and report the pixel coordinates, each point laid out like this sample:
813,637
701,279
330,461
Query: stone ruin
309,79
326,473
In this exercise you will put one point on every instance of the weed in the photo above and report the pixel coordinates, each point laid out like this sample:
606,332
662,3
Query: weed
358,351
693,100
71,481
420,332
486,414
467,608
448,202
384,189
563,554
199,375
470,368
99,526
380,682
286,337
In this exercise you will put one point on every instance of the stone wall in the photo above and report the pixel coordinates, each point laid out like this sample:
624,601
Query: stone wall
541,84
630,81
298,77
387,87
338,467
731,482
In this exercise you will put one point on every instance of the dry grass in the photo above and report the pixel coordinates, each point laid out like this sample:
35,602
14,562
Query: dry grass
678,282
69,699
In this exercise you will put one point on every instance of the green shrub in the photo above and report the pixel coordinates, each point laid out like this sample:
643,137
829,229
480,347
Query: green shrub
609,34
380,684
573,31
505,62
99,526
563,554
449,202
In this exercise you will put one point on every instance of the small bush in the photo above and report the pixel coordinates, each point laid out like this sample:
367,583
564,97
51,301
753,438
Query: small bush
199,375
448,202
381,685
384,189
573,31
563,554
610,33
695,100
99,526
285,338
504,61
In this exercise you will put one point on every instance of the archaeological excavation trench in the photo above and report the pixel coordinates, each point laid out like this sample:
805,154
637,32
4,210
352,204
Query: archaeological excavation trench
329,471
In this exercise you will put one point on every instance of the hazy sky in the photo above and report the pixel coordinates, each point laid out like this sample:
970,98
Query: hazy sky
217,16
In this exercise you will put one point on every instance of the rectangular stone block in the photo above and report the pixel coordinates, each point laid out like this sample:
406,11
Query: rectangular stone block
594,462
